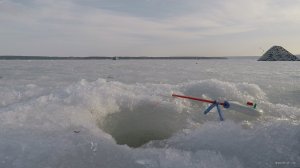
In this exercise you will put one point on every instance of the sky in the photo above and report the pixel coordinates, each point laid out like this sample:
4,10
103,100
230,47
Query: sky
148,27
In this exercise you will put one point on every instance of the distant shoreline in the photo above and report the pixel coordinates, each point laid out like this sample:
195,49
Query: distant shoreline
105,58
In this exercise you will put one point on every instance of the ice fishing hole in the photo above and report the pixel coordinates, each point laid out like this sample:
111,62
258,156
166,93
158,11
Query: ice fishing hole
143,123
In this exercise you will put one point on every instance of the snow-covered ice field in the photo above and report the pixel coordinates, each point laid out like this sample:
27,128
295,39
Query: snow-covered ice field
92,114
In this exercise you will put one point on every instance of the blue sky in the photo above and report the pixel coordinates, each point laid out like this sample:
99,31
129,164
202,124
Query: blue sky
148,27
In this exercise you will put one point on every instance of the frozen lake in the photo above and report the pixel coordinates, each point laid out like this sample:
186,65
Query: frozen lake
109,113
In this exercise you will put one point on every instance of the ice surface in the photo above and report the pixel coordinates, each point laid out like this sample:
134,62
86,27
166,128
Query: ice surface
89,113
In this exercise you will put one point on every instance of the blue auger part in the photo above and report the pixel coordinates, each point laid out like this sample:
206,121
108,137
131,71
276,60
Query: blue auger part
216,104
210,107
220,113
226,104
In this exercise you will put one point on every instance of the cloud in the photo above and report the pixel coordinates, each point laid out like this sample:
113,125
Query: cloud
132,26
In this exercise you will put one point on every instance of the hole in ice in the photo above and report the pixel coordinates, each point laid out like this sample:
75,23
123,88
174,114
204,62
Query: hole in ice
141,124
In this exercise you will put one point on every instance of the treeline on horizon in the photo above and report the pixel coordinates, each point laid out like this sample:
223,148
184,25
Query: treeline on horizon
101,58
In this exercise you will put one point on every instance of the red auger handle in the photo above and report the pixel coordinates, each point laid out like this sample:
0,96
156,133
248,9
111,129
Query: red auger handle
195,98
